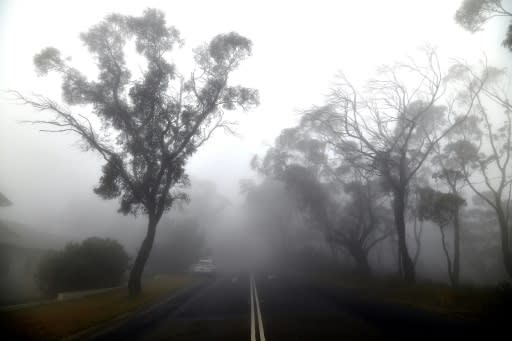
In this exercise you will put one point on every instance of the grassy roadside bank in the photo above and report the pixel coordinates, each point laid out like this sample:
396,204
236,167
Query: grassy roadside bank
470,303
61,319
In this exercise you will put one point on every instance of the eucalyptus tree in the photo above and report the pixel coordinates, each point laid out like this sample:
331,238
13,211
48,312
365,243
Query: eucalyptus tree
482,148
448,173
343,201
144,126
443,209
363,220
473,14
390,128
412,218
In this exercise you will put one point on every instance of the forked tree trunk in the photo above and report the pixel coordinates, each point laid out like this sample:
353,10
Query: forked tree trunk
134,282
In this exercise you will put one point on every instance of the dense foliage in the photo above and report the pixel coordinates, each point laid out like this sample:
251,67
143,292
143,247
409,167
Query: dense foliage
93,263
144,123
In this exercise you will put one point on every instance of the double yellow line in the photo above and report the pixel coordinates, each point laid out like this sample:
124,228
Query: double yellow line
255,302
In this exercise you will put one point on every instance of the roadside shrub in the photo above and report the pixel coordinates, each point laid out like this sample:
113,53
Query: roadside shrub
95,263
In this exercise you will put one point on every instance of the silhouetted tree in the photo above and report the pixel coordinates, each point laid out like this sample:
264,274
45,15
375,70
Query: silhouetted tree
446,171
391,128
483,150
298,160
363,221
473,14
94,263
147,127
343,201
443,209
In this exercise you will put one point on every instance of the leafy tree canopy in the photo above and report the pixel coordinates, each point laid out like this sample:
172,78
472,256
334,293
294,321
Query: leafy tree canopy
473,14
438,207
150,124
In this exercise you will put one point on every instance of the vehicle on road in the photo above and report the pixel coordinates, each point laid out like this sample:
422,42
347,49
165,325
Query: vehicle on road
204,267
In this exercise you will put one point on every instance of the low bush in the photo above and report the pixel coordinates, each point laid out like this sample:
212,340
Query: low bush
94,263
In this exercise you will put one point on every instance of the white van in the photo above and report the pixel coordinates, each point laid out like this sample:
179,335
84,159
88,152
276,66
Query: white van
204,266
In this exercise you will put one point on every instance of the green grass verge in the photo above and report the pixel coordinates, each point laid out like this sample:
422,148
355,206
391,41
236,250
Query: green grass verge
65,318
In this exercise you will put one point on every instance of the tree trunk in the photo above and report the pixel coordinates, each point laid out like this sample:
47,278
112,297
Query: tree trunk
400,268
505,240
417,238
361,258
405,258
134,282
329,238
447,255
456,250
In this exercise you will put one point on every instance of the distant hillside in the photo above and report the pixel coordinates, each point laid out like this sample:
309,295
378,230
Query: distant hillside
16,234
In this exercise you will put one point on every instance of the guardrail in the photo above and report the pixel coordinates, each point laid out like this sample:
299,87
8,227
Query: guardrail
77,294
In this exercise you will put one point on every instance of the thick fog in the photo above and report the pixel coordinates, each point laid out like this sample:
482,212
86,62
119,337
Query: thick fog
298,52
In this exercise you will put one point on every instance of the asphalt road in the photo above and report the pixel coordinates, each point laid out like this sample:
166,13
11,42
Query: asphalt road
267,307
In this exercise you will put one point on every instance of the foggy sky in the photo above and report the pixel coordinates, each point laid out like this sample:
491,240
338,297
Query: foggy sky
298,47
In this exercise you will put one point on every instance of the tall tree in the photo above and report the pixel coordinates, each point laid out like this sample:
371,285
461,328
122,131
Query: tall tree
298,160
390,128
362,221
417,224
448,173
483,151
473,14
443,209
345,202
144,127
454,179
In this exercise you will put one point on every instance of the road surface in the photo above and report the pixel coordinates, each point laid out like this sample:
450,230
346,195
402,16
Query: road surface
266,307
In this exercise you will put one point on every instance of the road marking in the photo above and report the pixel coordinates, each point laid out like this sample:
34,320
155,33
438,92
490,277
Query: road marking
260,322
254,298
253,331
